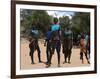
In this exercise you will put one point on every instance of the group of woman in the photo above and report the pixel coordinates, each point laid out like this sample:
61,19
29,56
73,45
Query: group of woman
54,38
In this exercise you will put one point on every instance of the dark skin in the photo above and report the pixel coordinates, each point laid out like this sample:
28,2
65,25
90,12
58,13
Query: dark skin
67,47
83,50
55,45
33,47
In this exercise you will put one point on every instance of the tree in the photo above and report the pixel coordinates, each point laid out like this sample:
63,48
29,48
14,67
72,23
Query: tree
64,22
26,20
81,22
42,20
39,18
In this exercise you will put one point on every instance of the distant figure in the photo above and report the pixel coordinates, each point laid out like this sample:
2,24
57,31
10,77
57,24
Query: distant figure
34,44
55,41
83,48
67,44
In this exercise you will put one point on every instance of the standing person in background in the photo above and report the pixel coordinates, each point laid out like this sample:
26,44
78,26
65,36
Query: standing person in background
67,44
34,44
83,49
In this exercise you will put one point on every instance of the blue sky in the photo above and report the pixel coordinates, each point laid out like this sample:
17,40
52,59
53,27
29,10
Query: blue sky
61,13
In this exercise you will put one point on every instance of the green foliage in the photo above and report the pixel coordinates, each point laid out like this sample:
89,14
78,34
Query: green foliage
39,18
26,21
64,22
42,20
81,22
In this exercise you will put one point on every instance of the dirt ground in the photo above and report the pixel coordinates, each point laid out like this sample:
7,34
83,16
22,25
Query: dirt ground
26,61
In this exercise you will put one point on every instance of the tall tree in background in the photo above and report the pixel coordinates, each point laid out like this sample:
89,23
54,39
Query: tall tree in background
40,18
64,22
81,22
26,21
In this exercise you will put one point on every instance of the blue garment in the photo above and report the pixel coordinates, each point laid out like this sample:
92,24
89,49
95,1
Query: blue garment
55,27
68,34
87,38
34,32
48,35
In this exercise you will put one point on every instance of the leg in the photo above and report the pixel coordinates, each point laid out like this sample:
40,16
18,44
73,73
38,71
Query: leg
39,52
89,52
58,53
69,55
64,52
81,56
69,50
65,56
50,58
31,46
31,55
87,57
48,51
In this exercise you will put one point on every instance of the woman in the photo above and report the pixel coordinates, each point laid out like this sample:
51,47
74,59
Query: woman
55,41
83,48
